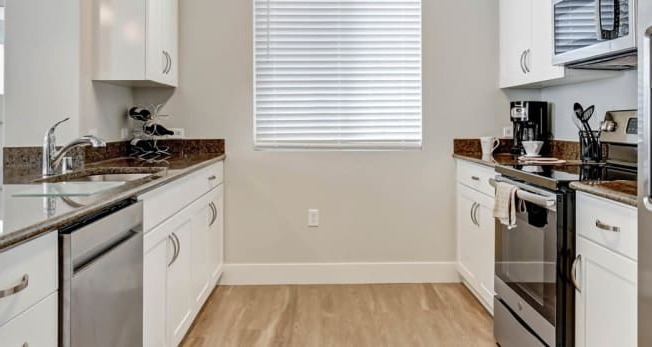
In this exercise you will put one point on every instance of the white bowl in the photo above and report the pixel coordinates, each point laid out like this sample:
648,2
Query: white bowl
532,148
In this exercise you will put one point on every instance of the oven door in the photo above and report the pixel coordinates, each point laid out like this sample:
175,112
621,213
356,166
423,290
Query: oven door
587,29
526,261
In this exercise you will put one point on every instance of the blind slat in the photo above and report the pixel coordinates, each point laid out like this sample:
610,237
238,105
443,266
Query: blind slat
338,74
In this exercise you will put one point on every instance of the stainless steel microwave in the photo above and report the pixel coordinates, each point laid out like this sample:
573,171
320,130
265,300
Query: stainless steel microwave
586,30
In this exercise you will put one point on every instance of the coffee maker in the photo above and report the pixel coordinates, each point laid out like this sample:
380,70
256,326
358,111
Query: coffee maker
531,120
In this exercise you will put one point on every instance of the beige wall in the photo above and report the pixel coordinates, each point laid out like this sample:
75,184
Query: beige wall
375,206
48,75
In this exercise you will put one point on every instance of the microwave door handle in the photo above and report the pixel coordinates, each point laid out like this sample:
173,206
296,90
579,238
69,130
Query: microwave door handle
540,200
608,33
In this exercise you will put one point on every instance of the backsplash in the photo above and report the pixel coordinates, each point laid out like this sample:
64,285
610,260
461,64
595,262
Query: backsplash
566,150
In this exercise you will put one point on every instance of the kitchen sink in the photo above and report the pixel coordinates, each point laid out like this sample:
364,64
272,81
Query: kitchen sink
105,175
111,177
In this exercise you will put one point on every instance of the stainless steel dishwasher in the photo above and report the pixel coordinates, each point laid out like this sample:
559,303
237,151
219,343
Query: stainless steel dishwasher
101,277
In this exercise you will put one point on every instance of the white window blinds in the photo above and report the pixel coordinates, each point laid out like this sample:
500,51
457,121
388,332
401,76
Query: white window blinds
337,73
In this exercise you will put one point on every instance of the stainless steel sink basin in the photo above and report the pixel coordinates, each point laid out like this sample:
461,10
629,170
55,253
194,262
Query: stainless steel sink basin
106,175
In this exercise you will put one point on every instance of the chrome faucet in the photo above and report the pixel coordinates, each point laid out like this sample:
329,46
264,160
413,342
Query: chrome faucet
52,158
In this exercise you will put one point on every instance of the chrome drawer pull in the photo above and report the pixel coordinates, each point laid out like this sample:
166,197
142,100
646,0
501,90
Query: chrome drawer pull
475,178
212,178
17,289
606,227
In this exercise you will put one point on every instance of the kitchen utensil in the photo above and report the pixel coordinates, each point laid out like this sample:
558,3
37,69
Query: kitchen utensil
532,148
489,144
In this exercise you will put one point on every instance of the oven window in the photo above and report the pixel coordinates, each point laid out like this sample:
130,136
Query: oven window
526,257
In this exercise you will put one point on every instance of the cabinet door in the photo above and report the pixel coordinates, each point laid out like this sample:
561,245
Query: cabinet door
606,302
515,40
216,237
157,61
170,40
539,58
201,244
487,254
154,293
467,231
36,327
179,295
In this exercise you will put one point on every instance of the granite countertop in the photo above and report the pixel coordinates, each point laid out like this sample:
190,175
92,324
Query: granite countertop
625,192
24,218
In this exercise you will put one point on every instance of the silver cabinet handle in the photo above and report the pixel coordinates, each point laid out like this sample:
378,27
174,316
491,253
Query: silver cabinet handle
170,60
178,245
475,178
174,240
212,178
16,289
166,62
577,260
523,62
25,344
474,210
214,209
606,227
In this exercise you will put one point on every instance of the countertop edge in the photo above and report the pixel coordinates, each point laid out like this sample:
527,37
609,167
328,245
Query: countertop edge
24,235
475,160
605,193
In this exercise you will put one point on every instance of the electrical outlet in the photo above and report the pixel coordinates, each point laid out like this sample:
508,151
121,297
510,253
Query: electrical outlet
313,218
124,133
508,132
179,133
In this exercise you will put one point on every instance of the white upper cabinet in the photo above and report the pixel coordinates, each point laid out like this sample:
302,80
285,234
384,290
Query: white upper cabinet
526,48
136,42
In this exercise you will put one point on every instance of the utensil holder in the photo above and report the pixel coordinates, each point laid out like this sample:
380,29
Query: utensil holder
590,146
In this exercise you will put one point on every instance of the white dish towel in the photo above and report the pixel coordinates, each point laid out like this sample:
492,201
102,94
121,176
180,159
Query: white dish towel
505,206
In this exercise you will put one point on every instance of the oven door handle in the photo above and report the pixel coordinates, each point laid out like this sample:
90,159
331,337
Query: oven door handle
537,199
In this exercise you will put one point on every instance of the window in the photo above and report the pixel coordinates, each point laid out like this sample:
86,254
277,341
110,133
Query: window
337,74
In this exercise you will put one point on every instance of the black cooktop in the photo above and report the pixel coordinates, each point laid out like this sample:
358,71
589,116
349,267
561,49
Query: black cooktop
556,176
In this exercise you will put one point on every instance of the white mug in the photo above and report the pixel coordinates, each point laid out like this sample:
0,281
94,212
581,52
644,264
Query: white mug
489,144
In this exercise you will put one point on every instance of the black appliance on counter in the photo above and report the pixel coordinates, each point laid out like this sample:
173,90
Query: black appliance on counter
531,121
535,292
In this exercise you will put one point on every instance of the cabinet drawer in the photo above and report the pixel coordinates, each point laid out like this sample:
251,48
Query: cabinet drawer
595,214
476,177
31,269
36,327
165,201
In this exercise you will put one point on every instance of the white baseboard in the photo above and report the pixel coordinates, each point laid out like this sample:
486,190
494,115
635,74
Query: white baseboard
339,273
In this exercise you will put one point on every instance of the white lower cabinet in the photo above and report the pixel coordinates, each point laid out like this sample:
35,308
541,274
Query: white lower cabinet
476,232
182,264
606,301
36,327
606,279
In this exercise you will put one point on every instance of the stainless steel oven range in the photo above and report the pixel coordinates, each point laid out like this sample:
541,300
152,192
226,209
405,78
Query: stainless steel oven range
534,296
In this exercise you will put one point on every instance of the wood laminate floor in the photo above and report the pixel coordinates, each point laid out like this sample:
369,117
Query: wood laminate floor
343,315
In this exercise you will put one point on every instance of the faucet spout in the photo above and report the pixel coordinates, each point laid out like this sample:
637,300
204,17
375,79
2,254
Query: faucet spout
54,158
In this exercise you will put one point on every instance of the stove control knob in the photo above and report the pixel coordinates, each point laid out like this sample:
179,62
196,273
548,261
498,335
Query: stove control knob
608,126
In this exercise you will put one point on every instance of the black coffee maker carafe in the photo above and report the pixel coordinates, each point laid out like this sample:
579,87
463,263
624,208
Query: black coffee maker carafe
531,120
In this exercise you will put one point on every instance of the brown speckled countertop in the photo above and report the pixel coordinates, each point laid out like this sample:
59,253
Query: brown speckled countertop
625,192
25,218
